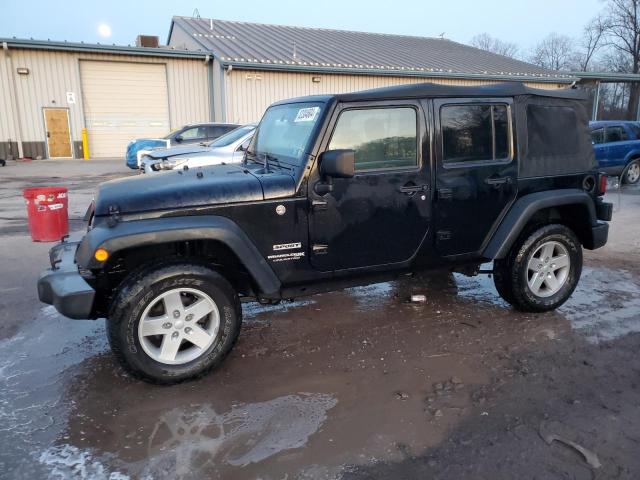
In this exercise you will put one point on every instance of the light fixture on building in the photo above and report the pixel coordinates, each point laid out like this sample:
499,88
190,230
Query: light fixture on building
22,71
315,79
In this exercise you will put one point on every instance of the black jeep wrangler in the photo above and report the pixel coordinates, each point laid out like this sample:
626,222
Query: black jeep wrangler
336,191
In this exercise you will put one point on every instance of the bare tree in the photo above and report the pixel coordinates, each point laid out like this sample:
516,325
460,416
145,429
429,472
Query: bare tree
555,52
484,41
592,40
622,34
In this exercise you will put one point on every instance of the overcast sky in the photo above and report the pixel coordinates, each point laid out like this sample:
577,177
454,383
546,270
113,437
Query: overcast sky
521,21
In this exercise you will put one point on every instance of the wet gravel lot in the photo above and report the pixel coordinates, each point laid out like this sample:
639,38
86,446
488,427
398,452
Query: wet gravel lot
356,384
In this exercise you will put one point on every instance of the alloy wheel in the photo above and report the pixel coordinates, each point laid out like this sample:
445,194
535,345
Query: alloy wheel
179,326
548,269
633,172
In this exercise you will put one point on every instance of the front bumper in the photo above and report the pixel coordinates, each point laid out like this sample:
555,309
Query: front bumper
62,285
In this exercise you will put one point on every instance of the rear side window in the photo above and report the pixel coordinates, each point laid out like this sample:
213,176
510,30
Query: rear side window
552,131
474,133
382,138
215,131
194,132
615,134
597,136
635,129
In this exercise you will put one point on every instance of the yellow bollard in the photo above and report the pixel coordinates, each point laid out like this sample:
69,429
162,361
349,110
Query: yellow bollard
85,144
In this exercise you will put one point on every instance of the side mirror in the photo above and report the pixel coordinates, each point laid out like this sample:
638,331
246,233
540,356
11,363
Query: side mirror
338,163
178,138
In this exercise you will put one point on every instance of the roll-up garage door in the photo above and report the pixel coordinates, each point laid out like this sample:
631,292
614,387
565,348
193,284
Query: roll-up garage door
123,101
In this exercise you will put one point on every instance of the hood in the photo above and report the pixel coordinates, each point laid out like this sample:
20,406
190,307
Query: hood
174,189
161,153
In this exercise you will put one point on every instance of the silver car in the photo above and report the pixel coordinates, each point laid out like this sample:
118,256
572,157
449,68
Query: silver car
229,148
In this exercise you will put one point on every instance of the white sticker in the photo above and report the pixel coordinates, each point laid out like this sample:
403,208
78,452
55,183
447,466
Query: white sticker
56,206
286,257
287,246
307,114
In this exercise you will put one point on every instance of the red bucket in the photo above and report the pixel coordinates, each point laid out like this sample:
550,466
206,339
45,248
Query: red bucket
47,209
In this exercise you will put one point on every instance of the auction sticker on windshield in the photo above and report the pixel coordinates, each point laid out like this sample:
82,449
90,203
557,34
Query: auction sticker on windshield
307,114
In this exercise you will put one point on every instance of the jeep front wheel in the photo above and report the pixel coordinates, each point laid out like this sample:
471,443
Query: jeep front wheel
173,323
542,270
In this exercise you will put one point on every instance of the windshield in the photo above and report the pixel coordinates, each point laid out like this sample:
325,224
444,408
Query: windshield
285,130
232,136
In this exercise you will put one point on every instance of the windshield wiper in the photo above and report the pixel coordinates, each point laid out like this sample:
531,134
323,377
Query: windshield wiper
249,155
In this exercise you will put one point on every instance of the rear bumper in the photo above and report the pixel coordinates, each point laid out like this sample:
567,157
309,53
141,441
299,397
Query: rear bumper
604,210
62,285
599,236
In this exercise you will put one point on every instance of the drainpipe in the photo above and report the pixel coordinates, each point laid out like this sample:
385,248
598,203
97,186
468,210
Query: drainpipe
14,101
596,101
208,61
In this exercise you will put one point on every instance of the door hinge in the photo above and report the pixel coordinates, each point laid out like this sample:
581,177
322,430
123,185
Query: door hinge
317,205
319,249
445,193
443,235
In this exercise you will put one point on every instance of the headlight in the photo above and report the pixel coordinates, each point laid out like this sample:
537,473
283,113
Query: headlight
171,164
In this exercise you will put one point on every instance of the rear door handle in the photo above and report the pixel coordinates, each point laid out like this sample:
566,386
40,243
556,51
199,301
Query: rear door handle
411,189
497,181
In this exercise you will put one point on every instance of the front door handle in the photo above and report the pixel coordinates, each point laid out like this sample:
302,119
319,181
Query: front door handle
410,189
497,181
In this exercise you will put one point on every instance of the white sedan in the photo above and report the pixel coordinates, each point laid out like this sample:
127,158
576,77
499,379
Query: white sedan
229,148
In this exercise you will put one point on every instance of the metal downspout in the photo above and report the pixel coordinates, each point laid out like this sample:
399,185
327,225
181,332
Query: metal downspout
212,102
596,101
14,101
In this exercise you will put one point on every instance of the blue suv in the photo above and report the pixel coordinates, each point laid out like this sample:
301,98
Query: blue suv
617,147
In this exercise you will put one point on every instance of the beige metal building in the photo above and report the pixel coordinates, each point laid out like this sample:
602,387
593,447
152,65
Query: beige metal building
212,70
50,91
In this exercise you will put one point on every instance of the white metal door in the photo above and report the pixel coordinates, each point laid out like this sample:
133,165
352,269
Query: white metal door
123,101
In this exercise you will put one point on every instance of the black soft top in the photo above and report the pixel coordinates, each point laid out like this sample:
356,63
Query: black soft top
430,90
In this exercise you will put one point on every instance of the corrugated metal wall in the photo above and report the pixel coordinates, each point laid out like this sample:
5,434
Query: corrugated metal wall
52,74
249,92
7,127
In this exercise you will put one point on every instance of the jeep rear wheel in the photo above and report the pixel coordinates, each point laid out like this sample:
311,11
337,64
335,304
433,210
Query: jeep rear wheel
542,270
174,322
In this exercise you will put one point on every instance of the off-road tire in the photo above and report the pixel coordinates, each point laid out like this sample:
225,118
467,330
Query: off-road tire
511,274
142,288
502,280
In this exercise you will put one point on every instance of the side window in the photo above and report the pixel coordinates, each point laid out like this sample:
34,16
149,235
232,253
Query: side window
217,131
381,137
193,133
615,134
635,129
597,136
552,132
472,133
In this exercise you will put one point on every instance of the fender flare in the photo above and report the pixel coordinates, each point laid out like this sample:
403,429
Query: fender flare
154,231
524,208
632,155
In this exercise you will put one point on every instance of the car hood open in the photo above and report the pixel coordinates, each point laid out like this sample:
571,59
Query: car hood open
195,187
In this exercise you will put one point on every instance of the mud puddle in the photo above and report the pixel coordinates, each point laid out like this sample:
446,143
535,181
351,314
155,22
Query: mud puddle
346,378
603,307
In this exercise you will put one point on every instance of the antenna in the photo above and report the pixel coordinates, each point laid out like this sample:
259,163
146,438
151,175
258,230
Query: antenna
441,36
196,13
